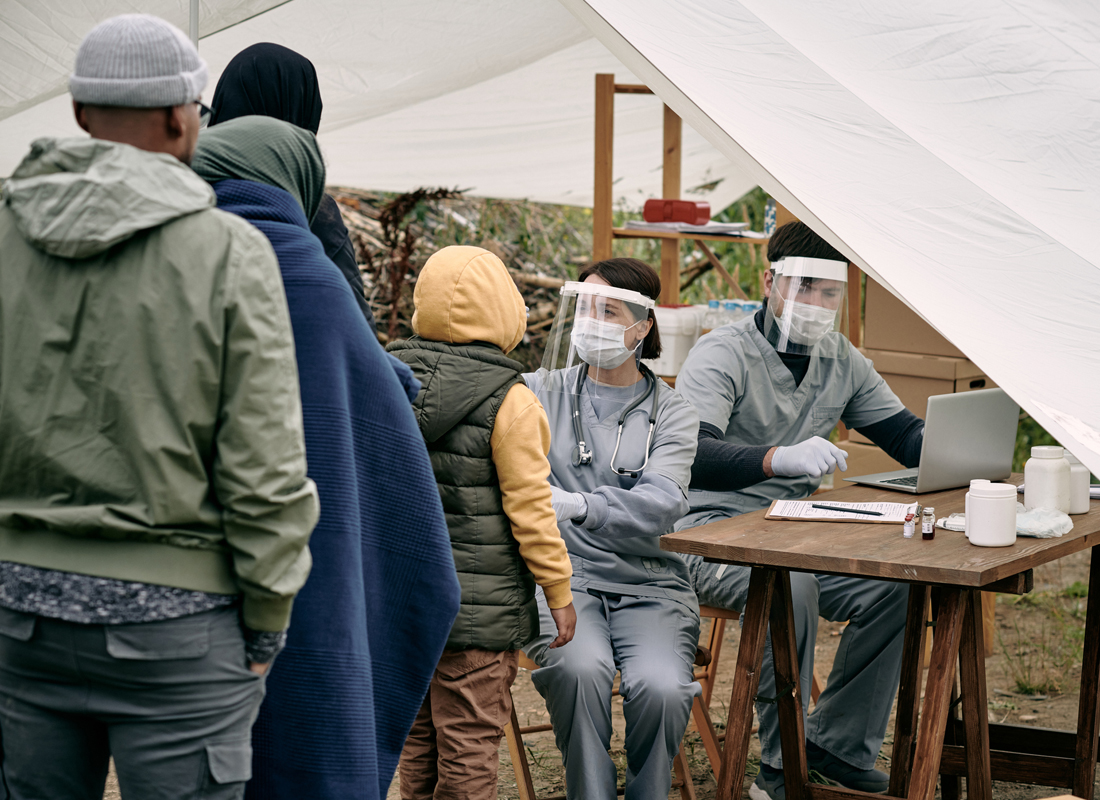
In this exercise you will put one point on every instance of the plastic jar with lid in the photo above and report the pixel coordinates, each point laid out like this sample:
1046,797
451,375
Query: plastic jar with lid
1047,479
973,483
991,520
1078,485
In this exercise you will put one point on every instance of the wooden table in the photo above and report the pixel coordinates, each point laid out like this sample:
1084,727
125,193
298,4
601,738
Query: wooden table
956,570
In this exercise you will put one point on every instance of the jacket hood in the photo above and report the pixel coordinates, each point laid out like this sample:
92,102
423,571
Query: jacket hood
465,295
75,198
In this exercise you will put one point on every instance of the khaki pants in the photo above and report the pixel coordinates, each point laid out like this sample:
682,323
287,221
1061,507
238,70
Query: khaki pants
451,752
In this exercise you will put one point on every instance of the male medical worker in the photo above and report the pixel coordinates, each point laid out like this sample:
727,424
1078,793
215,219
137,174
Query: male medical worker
769,389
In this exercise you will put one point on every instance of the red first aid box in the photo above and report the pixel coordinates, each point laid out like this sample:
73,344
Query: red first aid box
688,211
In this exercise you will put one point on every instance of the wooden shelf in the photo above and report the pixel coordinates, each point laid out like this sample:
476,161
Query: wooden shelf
632,233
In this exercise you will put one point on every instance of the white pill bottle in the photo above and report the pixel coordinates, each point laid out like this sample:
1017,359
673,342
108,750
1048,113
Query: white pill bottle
1078,485
1046,479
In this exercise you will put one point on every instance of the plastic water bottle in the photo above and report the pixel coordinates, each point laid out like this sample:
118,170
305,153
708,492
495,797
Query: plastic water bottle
733,310
714,318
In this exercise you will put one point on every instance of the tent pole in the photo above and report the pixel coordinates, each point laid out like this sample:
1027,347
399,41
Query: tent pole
194,26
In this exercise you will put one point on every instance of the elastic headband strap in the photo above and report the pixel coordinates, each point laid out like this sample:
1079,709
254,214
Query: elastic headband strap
803,267
599,290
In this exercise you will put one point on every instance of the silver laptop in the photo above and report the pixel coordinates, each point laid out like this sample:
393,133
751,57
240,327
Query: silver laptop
968,435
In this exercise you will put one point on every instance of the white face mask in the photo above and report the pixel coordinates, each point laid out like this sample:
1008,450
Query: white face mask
601,344
806,324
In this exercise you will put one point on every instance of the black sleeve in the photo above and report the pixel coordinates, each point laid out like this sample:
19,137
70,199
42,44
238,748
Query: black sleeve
328,226
724,467
900,436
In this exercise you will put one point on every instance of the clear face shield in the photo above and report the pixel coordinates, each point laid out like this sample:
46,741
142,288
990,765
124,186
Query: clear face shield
600,326
595,345
807,312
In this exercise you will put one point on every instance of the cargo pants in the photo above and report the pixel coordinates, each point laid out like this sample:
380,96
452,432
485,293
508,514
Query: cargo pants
172,702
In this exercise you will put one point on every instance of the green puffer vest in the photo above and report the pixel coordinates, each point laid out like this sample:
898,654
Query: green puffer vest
462,387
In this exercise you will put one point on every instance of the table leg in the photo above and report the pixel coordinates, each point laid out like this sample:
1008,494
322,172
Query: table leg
1084,771
792,734
905,725
975,711
746,679
950,785
937,695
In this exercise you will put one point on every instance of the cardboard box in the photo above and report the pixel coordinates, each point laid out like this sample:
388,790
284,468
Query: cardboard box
889,324
914,378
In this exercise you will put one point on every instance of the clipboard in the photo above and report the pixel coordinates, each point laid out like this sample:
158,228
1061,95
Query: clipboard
803,511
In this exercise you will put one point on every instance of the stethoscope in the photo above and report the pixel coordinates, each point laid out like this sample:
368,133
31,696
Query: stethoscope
582,455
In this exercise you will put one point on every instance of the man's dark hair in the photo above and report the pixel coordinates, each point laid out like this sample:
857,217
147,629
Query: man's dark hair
638,276
796,239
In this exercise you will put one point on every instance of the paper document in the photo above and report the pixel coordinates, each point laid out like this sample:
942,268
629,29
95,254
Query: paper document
710,228
804,510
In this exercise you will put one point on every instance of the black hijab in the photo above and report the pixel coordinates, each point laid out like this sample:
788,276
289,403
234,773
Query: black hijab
268,80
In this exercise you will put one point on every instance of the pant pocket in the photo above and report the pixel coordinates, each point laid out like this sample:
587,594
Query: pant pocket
183,638
229,761
16,625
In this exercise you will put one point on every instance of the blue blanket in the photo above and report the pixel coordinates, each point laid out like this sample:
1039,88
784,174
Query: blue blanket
369,625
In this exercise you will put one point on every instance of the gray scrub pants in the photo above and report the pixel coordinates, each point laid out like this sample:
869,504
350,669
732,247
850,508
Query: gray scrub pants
173,702
652,641
850,718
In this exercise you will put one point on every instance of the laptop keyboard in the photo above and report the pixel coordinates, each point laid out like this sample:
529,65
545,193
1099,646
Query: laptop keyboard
908,480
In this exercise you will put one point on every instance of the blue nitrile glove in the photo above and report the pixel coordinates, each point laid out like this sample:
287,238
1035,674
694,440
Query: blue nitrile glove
814,457
568,505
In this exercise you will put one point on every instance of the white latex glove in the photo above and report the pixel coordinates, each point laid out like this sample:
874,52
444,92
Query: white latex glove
814,457
568,505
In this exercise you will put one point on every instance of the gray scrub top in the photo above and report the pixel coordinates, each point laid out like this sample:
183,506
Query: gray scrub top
616,549
737,382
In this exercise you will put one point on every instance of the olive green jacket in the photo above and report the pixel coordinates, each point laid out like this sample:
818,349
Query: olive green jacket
150,419
463,388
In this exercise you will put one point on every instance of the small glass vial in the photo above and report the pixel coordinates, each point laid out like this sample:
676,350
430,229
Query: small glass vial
909,528
928,523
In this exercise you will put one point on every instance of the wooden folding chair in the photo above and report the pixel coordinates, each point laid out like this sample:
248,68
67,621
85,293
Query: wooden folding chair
514,733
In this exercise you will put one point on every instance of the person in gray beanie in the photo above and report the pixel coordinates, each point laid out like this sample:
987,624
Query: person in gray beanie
154,504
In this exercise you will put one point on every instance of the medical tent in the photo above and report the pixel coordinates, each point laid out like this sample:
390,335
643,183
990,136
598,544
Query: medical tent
951,150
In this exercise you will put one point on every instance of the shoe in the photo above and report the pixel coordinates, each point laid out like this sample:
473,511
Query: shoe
873,781
768,785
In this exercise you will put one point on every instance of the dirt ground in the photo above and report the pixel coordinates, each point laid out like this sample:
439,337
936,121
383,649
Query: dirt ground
1032,680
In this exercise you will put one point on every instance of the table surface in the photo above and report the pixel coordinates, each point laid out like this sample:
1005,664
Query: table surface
878,550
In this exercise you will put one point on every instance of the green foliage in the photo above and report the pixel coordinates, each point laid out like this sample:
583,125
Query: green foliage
1076,589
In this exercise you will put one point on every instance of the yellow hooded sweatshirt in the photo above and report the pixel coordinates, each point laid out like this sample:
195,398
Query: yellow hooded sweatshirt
465,295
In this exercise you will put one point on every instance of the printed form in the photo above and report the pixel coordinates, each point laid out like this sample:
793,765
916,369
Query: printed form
804,510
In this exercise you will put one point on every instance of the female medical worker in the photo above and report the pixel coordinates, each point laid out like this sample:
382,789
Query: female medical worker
622,447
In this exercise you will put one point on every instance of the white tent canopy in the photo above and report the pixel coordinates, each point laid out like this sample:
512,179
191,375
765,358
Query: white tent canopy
951,149
488,95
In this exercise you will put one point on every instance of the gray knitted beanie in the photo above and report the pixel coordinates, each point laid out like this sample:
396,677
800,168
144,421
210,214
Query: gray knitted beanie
137,61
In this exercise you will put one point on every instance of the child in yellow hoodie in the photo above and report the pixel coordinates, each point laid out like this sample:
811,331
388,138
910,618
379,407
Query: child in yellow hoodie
488,438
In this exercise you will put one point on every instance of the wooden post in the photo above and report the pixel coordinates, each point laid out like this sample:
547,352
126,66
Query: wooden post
601,194
670,190
855,321
1088,709
905,722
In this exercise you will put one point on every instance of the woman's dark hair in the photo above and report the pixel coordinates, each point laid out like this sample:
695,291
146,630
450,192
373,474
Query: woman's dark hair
797,239
638,276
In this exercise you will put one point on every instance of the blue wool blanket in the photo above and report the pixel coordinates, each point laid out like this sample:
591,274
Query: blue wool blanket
370,624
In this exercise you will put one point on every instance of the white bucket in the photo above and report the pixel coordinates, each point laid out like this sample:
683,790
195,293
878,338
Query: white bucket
679,327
